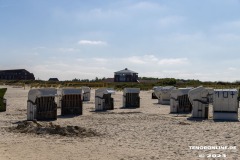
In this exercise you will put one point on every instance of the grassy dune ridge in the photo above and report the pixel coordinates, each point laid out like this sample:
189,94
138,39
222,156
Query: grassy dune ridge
120,85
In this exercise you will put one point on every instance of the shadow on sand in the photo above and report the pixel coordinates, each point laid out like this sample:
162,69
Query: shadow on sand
68,116
206,119
196,119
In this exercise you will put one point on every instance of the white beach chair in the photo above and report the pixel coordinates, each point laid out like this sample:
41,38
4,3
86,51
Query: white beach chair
225,104
41,104
200,98
179,102
163,94
103,99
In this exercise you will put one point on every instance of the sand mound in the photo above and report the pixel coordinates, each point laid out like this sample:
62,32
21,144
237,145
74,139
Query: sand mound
183,123
52,129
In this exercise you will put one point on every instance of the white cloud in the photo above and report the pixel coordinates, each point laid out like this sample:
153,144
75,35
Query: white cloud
104,14
187,37
173,61
69,71
144,5
232,69
148,65
90,42
135,60
151,59
142,59
100,60
91,67
146,59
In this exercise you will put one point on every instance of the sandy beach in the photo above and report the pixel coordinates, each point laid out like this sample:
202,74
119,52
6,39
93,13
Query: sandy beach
148,133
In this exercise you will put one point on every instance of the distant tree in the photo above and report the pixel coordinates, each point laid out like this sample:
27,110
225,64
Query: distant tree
76,80
148,78
85,80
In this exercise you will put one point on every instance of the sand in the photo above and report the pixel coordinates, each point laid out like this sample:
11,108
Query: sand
148,132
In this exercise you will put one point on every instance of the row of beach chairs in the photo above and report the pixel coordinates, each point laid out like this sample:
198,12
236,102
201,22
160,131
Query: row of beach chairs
104,101
225,102
43,106
42,103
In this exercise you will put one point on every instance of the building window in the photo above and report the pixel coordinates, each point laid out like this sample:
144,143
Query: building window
122,78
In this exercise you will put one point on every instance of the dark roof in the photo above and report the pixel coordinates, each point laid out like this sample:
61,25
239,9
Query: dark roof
53,79
17,74
124,71
13,70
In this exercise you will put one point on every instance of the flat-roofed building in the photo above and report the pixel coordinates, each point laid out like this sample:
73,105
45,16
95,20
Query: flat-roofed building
16,74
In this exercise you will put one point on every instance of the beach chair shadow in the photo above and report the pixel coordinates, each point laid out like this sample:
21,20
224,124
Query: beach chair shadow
196,119
128,107
219,120
68,116
100,111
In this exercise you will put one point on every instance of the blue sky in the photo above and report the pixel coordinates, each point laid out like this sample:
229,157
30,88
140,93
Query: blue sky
186,39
